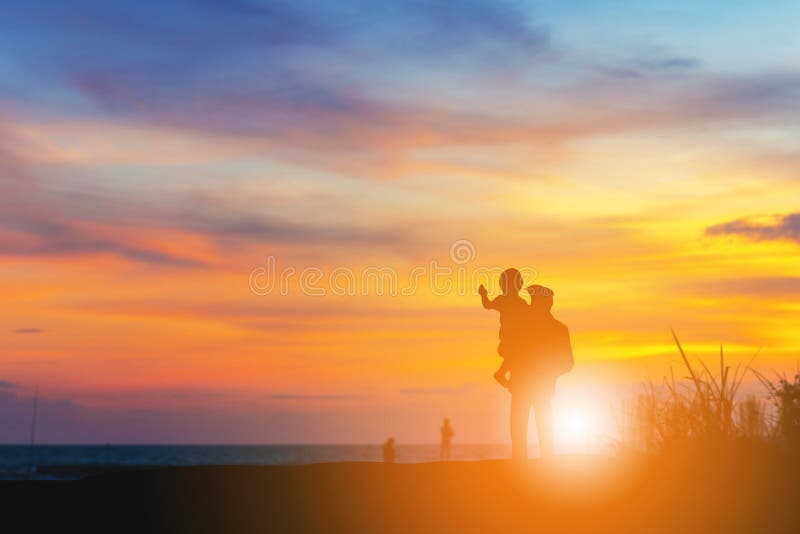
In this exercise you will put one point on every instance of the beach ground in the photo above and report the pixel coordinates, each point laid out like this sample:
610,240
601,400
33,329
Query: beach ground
690,492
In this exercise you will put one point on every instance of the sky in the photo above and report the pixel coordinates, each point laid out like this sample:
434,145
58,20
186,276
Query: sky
265,222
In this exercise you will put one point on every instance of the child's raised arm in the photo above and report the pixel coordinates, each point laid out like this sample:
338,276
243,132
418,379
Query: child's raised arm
485,300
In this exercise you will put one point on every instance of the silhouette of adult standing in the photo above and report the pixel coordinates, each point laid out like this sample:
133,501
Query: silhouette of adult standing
547,355
447,439
388,451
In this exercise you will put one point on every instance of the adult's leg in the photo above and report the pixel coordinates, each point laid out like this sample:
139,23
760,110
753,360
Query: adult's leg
520,412
543,410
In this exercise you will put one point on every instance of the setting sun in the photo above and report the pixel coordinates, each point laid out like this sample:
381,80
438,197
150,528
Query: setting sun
579,428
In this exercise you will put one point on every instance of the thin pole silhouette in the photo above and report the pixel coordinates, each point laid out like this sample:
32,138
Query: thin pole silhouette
32,462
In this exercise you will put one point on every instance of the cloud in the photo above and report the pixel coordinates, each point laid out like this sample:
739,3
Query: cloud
33,221
425,28
362,128
46,239
774,287
769,93
293,319
296,75
5,384
441,390
671,64
325,84
214,217
67,240
49,222
321,86
293,397
777,227
28,331
156,57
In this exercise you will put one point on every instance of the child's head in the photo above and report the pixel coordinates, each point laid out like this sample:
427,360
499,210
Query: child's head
510,282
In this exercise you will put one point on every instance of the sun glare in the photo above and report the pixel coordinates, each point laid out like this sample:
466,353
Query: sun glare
577,429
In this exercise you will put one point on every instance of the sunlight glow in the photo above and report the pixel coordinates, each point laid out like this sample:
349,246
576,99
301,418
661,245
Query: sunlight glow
577,428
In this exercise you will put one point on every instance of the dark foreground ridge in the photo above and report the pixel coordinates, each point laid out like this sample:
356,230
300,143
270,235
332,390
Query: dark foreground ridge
682,493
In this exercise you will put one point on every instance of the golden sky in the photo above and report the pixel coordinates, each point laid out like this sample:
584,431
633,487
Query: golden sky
647,173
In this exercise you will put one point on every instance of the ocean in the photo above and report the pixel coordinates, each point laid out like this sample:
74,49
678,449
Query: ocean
63,462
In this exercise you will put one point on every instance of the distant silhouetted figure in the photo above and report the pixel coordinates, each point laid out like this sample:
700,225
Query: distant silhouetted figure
447,440
547,355
388,451
513,318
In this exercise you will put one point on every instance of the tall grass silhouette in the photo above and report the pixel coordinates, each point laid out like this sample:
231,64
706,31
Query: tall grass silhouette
703,405
785,397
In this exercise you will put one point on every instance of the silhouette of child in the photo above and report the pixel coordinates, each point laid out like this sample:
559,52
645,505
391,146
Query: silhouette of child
513,312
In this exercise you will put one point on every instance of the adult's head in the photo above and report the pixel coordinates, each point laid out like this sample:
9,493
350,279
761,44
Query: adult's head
510,281
541,298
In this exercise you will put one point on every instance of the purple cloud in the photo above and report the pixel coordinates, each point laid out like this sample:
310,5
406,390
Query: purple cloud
774,287
45,222
324,397
671,63
441,390
784,227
